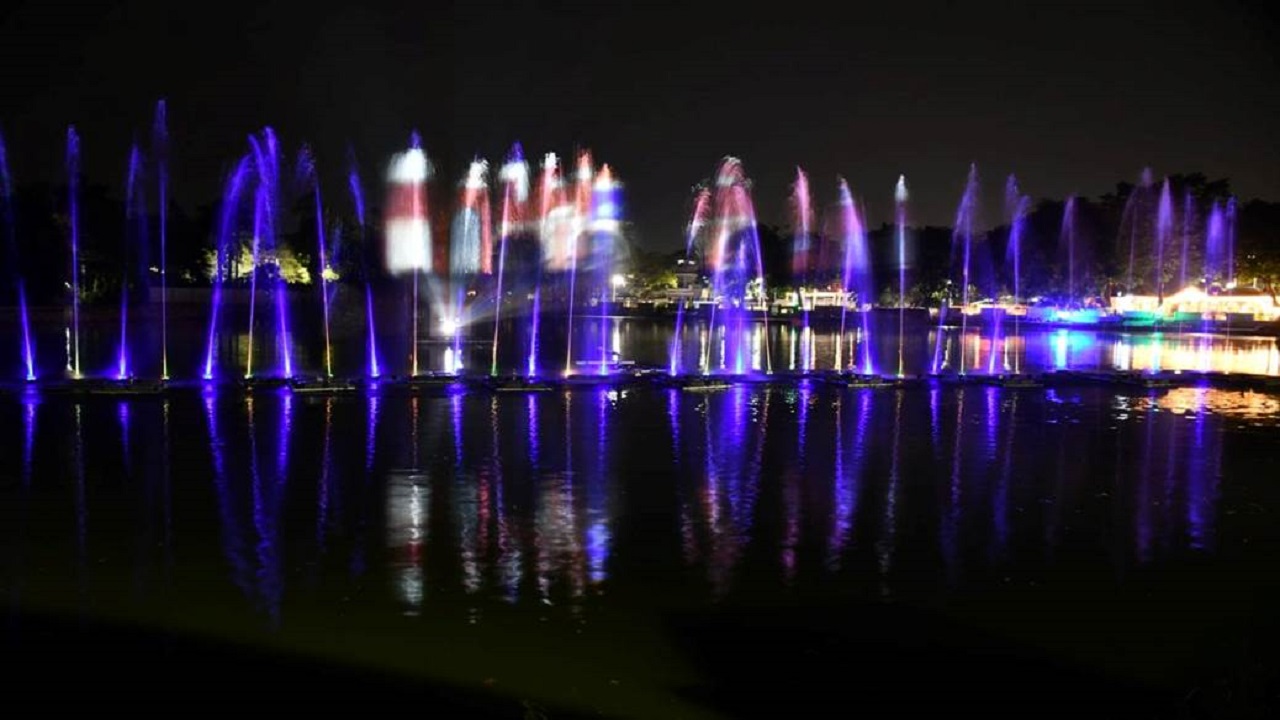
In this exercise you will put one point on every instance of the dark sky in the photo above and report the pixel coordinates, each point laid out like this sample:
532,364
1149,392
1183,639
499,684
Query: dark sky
1069,96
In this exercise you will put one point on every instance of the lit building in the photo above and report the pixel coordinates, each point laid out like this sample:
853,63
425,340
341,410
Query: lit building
1195,301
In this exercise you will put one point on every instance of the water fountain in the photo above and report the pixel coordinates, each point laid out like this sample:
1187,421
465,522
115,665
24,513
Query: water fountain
132,213
604,234
266,154
1188,221
856,276
73,217
13,262
307,171
961,241
225,254
802,242
1067,246
698,220
1231,242
581,202
1017,206
900,231
553,231
735,263
1164,235
160,148
515,192
1215,245
408,230
259,213
1134,220
357,199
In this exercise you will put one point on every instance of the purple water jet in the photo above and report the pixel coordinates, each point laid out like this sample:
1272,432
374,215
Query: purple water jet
1188,215
1164,235
226,226
259,215
962,241
900,221
1136,213
698,220
1016,205
515,188
605,219
160,140
1215,244
1230,229
734,256
856,275
357,199
802,242
266,155
19,282
73,212
1067,245
131,210
307,169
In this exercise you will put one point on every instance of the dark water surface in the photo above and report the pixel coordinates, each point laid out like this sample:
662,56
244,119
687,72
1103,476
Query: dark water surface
647,552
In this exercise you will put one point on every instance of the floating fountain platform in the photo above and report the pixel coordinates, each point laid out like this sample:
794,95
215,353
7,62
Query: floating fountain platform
695,383
636,376
515,384
1123,378
322,386
103,386
859,380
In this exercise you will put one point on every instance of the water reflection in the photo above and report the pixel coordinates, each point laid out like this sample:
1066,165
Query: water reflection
268,505
734,424
521,499
233,543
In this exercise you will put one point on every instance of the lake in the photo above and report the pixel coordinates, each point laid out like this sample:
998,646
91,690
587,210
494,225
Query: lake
653,552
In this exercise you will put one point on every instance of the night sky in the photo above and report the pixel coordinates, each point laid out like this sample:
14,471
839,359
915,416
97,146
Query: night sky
1068,96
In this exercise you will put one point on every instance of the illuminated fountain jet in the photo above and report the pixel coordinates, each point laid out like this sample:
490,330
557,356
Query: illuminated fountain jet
470,253
408,229
736,267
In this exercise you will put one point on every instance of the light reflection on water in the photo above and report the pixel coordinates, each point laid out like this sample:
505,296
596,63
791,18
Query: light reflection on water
552,498
648,341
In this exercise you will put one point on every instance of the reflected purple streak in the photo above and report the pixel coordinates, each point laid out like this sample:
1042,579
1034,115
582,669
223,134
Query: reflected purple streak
1143,531
358,562
886,545
532,432
122,413
949,533
232,541
599,533
510,552
848,480
1202,483
1000,498
29,404
268,499
81,498
328,496
791,485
